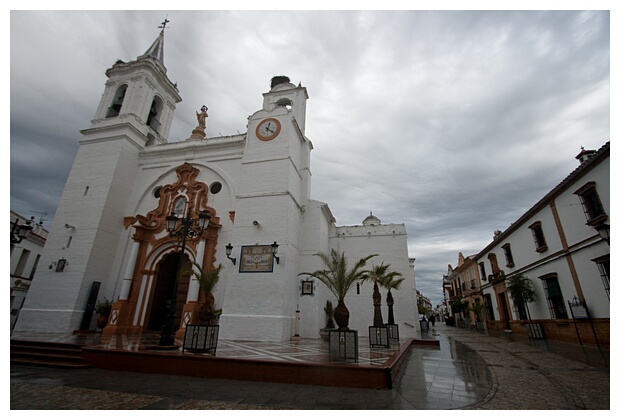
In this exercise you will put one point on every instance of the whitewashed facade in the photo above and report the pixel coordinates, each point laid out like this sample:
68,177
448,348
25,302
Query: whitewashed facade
24,262
127,178
557,245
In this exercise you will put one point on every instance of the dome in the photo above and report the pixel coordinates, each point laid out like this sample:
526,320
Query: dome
371,221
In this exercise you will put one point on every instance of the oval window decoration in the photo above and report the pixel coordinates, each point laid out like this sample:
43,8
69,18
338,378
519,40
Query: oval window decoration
216,187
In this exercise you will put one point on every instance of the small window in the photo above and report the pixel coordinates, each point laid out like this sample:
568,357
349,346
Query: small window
539,237
494,266
555,301
483,273
604,269
21,264
488,306
508,254
34,267
285,102
591,203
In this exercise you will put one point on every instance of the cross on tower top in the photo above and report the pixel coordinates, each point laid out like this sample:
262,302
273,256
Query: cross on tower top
164,23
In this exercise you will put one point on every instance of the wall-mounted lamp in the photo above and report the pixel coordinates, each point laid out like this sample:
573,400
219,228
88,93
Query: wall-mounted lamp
274,251
60,265
603,230
229,248
68,226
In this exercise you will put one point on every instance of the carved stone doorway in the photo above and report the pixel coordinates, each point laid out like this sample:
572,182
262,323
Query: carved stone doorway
163,291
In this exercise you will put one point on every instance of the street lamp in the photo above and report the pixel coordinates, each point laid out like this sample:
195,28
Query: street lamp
186,230
19,232
603,230
274,251
229,249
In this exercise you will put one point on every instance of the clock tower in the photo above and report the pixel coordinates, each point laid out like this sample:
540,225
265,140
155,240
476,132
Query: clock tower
274,188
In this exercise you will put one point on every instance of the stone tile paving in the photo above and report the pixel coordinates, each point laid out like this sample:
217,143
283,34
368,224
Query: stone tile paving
470,371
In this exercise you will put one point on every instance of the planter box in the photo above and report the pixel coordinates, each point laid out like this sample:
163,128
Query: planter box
343,345
201,338
393,331
379,337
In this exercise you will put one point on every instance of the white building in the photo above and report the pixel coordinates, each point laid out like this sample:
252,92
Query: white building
557,244
110,225
25,256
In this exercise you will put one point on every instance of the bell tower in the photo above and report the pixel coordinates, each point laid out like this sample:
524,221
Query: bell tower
135,112
139,95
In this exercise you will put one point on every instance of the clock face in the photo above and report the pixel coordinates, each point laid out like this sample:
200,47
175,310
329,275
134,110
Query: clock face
268,129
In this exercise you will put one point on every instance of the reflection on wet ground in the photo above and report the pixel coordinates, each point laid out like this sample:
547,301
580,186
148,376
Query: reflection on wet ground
468,370
448,377
452,376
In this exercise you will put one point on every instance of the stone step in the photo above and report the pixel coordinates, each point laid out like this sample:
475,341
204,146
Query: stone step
37,353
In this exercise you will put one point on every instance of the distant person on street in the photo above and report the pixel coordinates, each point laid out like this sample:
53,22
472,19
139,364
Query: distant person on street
432,319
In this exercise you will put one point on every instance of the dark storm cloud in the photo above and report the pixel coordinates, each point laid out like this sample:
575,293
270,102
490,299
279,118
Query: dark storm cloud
452,122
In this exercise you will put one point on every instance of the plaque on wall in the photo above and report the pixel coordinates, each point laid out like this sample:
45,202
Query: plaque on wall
256,259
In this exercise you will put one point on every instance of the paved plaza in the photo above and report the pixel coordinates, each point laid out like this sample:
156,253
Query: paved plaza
470,371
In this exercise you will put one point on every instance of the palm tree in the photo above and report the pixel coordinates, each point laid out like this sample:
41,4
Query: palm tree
208,280
379,275
391,282
339,279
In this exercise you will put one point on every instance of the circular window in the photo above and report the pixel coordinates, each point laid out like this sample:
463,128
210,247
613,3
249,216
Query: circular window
216,187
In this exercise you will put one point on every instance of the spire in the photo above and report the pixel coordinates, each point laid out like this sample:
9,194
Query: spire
156,51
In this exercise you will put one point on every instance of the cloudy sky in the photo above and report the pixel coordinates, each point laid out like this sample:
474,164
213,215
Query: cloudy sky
452,122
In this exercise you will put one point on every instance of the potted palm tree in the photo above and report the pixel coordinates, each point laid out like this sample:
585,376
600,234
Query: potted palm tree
339,278
379,275
381,333
208,279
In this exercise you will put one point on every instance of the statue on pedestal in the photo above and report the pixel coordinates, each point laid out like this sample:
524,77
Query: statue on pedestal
199,131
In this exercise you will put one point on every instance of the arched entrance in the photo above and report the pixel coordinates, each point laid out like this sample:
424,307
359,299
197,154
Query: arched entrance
164,288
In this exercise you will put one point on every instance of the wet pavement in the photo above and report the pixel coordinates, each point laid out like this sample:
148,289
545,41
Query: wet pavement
470,370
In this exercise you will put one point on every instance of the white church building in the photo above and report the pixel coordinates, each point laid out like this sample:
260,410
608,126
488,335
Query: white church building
109,236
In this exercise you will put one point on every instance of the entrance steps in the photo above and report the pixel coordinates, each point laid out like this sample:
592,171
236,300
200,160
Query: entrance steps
48,354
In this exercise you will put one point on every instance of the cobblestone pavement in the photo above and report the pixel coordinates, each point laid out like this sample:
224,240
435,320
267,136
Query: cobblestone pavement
532,378
499,374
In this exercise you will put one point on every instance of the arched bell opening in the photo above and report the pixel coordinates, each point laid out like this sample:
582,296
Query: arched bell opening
117,103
